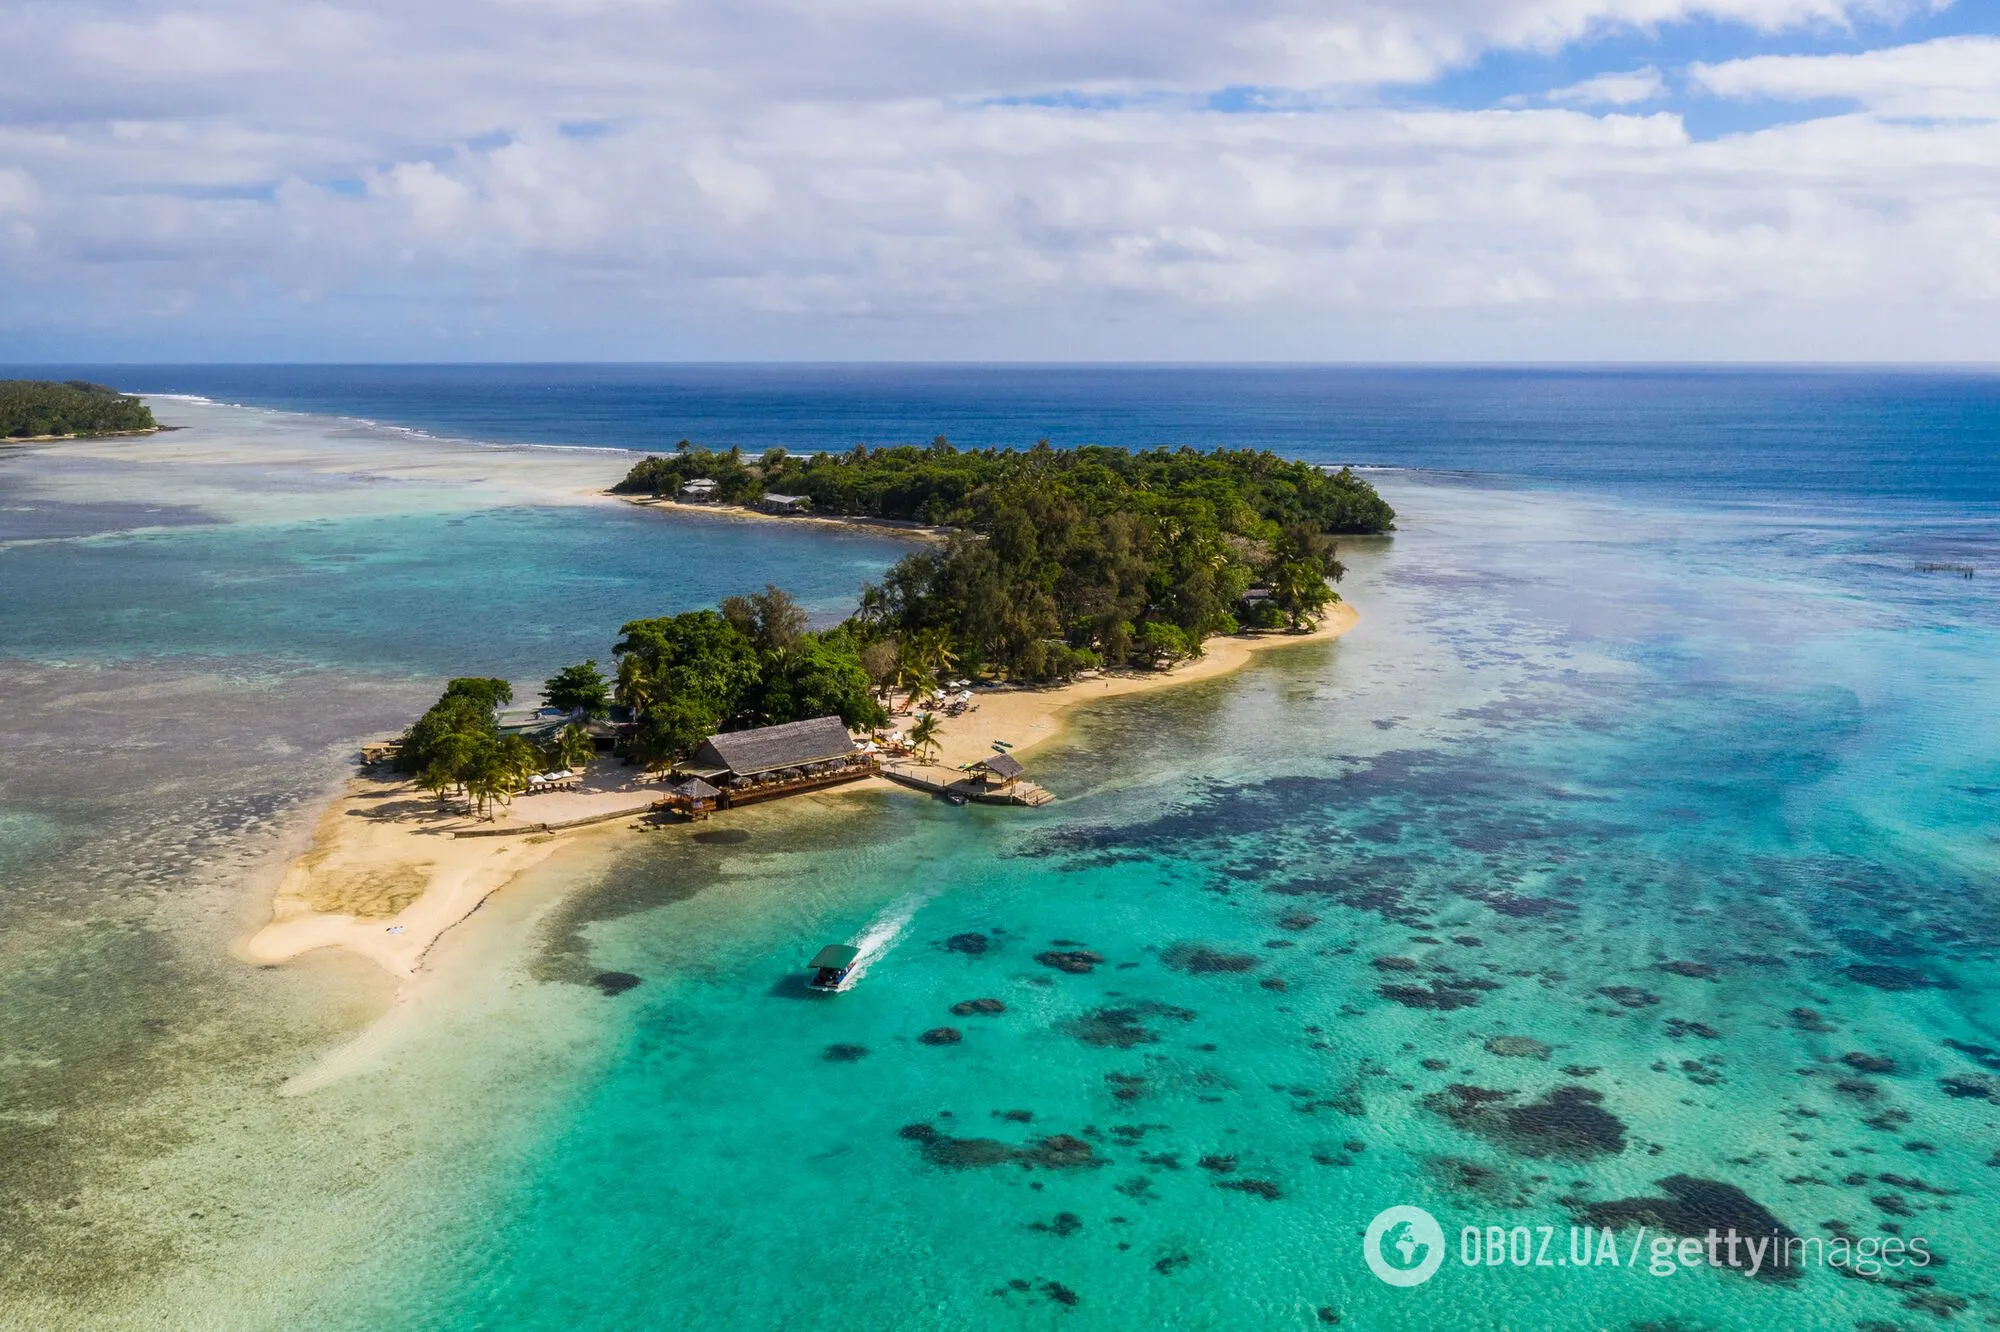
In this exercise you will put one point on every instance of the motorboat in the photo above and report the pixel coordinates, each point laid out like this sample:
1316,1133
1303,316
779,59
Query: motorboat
830,967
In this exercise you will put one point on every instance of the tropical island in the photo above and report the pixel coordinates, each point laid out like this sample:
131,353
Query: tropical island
1063,560
1059,576
38,409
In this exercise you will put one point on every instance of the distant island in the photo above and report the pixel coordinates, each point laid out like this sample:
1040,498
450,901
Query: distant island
1062,560
43,409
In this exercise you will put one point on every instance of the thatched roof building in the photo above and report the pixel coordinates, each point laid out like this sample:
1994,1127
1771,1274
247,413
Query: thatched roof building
1004,767
692,788
800,744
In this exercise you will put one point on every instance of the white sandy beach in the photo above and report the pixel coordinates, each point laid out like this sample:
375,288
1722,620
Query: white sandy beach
384,877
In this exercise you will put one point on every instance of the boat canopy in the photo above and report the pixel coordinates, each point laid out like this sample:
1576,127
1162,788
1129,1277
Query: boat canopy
836,956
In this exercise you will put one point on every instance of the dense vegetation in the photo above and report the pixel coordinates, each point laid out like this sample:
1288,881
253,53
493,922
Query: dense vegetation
458,743
682,677
688,676
1056,560
1064,559
31,407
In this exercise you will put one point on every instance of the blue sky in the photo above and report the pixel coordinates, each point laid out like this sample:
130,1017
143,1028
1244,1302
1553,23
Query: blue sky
1091,179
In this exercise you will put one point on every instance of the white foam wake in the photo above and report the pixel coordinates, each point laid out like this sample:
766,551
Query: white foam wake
884,933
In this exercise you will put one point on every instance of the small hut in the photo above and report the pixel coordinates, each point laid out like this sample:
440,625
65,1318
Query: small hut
692,796
701,490
784,504
998,772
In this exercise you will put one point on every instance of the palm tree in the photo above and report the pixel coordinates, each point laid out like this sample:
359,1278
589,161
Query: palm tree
924,735
636,688
925,660
937,654
910,679
574,747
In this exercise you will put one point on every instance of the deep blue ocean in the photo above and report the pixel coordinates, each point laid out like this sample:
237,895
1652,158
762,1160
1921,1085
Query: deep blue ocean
1632,867
1808,433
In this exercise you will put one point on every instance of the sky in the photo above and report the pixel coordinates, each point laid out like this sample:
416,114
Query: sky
1043,180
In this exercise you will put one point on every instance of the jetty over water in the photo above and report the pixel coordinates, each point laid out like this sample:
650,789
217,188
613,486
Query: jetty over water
998,780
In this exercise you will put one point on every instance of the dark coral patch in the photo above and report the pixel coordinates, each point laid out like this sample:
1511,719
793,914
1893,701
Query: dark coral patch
1257,1188
1983,1055
843,1053
1055,1152
1569,1122
1692,970
1971,1087
942,1036
1629,996
1882,976
1679,1027
1443,995
1692,1208
1868,1063
980,1007
1059,1151
1201,960
1074,962
941,1149
614,982
1517,1047
1123,1028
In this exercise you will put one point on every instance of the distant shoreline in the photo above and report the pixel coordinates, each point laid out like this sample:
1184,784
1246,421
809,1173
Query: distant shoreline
899,527
94,434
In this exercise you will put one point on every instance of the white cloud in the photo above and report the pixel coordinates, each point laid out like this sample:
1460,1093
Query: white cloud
889,166
1627,89
1949,77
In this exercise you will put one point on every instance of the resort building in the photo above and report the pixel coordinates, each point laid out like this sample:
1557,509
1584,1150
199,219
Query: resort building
542,725
701,490
784,504
769,761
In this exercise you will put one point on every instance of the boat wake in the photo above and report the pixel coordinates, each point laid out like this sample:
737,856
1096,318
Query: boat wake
884,933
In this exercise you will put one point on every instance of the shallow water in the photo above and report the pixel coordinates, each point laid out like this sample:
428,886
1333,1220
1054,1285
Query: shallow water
1576,737
195,631
1571,743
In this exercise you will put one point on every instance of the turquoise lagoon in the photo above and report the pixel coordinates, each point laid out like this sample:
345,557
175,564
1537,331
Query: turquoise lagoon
1560,890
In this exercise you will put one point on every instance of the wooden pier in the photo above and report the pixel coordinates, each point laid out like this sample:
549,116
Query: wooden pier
949,782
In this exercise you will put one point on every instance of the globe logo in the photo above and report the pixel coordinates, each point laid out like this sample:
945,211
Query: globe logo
1404,1245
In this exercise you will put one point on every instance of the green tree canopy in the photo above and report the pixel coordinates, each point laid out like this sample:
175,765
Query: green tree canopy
820,675
32,407
580,686
771,619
